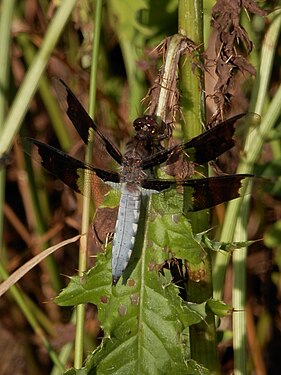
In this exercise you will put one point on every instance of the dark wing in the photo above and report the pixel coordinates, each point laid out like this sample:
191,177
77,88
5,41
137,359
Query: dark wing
205,147
81,120
204,192
68,169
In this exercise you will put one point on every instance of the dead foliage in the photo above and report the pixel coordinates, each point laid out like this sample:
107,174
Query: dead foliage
232,46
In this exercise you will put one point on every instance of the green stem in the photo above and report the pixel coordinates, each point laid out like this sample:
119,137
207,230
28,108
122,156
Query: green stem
38,206
254,145
31,81
78,354
252,150
192,82
134,75
239,293
236,218
202,336
5,43
49,101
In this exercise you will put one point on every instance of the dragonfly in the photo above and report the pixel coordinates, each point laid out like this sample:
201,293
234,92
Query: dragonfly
143,153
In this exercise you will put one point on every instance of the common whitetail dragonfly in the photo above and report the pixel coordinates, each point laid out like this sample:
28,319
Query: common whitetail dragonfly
138,158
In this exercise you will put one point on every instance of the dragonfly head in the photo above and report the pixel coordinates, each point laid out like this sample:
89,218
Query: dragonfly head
148,128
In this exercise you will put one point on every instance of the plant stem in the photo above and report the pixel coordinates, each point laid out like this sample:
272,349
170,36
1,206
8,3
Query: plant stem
31,81
192,82
252,150
234,228
5,37
49,101
78,354
202,336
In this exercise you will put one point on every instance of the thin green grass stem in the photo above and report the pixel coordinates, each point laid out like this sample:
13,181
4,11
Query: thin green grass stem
134,75
39,221
236,219
234,207
49,101
254,145
238,294
266,61
5,38
7,8
65,352
31,80
5,43
252,150
79,337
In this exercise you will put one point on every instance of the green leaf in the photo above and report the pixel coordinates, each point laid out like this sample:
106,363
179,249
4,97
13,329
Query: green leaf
219,308
222,246
172,233
111,199
124,17
73,371
145,322
94,287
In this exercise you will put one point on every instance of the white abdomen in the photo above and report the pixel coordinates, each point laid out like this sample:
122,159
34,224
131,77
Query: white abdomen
125,229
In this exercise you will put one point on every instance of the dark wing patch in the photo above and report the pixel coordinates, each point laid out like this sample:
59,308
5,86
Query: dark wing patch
66,168
203,148
204,192
212,191
215,141
81,120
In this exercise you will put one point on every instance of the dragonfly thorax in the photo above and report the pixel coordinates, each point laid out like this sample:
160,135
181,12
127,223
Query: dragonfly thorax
131,170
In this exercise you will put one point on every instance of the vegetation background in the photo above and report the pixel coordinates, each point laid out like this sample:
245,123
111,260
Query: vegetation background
37,212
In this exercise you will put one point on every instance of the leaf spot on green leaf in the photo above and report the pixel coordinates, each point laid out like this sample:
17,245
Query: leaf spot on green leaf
131,282
122,310
151,266
134,299
104,299
176,219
